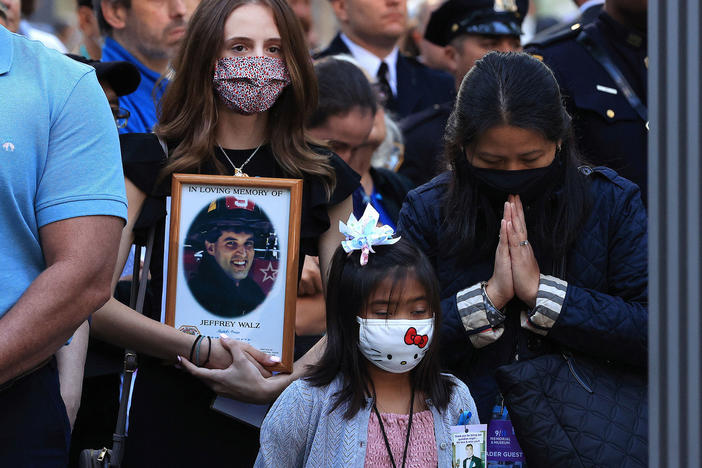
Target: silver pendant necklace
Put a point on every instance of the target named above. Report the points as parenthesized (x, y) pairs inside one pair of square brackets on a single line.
[(238, 171)]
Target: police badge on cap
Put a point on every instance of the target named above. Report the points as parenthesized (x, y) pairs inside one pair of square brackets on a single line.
[(483, 17)]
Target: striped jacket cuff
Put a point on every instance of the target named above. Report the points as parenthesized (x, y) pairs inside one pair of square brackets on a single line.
[(482, 321), (549, 302)]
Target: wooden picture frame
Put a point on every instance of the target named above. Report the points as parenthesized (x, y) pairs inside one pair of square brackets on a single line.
[(229, 240)]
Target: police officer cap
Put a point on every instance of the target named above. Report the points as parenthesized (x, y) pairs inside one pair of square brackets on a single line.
[(484, 17), (233, 213)]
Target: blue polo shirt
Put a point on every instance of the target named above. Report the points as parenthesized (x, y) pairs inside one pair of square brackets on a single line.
[(59, 155), (142, 103)]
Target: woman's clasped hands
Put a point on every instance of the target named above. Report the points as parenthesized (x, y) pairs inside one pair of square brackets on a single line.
[(516, 271), (246, 378)]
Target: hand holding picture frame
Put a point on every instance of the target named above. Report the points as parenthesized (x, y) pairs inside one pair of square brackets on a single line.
[(233, 260)]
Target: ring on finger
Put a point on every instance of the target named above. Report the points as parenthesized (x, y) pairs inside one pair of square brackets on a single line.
[(524, 242)]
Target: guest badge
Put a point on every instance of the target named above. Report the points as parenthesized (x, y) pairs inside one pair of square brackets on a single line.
[(469, 446)]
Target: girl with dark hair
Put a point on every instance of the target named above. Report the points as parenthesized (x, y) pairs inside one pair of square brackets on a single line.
[(243, 86), (535, 253), (377, 389)]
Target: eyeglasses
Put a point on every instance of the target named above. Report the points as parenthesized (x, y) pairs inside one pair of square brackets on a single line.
[(121, 116)]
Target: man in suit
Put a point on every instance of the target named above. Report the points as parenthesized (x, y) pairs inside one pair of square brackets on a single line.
[(471, 461), (467, 30), (370, 32), (602, 71)]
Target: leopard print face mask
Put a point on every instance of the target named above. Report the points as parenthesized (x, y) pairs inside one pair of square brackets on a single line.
[(250, 85)]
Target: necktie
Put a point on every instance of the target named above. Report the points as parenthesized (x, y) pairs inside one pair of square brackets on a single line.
[(384, 85)]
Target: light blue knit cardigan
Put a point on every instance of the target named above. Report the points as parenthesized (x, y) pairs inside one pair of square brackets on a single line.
[(299, 431)]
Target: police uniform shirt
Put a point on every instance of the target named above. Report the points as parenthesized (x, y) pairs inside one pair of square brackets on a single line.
[(628, 50), (608, 130)]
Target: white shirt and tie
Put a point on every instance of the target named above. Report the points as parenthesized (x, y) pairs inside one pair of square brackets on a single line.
[(371, 64)]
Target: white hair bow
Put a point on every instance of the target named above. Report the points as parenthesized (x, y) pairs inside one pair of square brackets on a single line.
[(364, 233)]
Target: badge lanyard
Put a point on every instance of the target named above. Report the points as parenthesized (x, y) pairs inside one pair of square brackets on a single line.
[(385, 437)]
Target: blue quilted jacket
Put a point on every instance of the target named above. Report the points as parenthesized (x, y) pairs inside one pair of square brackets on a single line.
[(605, 312)]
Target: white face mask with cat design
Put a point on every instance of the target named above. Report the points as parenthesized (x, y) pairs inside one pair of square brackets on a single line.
[(395, 346)]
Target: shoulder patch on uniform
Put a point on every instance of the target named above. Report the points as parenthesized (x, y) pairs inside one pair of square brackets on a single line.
[(538, 57), (556, 37)]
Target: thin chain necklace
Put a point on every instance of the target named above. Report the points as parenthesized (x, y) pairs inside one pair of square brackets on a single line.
[(238, 172)]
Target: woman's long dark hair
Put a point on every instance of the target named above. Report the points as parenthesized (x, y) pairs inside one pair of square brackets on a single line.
[(518, 90), (349, 288)]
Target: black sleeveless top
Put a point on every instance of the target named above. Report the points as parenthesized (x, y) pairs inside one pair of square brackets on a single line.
[(171, 423)]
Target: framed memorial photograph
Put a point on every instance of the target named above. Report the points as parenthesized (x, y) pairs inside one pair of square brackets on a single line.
[(233, 260)]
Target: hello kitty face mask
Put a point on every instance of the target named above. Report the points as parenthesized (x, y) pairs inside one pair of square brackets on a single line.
[(250, 85), (395, 346)]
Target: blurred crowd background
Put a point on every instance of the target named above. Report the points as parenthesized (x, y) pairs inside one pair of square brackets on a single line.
[(59, 17)]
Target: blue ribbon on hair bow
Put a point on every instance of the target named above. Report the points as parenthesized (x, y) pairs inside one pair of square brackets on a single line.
[(364, 233)]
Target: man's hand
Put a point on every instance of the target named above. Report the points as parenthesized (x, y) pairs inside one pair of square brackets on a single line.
[(311, 279), (220, 357)]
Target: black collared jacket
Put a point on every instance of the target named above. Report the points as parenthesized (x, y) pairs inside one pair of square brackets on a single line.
[(608, 129), (418, 86)]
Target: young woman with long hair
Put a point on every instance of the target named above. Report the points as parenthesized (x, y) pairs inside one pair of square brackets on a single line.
[(243, 86)]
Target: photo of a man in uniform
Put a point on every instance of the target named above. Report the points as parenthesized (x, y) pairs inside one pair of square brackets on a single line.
[(471, 461), (222, 282)]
